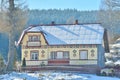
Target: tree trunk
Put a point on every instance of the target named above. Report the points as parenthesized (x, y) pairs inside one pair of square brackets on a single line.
[(14, 19), (11, 54), (11, 5)]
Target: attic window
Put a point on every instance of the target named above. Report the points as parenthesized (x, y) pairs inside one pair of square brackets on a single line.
[(34, 38)]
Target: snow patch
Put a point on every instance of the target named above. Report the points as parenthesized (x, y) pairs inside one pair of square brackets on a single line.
[(52, 75)]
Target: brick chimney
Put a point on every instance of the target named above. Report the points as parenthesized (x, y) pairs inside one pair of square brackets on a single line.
[(76, 21)]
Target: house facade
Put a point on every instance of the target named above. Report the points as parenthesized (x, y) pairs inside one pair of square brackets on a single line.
[(63, 44)]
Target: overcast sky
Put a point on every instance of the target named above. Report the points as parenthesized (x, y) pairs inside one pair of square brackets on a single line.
[(64, 4)]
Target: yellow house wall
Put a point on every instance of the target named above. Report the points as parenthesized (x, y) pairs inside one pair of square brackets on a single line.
[(77, 53), (73, 60), (40, 58), (40, 54), (26, 36)]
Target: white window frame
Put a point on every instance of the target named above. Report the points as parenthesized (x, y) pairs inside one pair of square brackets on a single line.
[(34, 38), (34, 55)]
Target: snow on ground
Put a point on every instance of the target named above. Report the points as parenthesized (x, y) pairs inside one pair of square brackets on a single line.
[(53, 75), (117, 62)]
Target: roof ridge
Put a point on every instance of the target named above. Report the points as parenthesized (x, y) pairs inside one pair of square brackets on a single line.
[(61, 24)]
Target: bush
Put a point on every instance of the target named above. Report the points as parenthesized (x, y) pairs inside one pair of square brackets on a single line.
[(2, 64), (98, 73), (42, 64), (24, 63), (103, 74)]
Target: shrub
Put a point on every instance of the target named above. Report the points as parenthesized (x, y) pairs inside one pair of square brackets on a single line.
[(2, 64), (24, 63), (103, 74), (42, 64), (98, 73)]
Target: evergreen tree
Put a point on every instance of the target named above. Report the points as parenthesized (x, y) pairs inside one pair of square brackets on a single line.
[(24, 63), (2, 65)]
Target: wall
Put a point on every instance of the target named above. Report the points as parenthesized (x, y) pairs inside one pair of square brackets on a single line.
[(101, 56), (74, 60), (25, 38)]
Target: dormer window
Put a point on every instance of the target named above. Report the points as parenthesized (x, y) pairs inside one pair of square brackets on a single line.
[(34, 38)]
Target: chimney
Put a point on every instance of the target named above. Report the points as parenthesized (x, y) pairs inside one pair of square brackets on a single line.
[(76, 21), (52, 23)]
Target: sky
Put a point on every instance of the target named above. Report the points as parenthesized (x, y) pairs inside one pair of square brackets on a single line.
[(64, 4)]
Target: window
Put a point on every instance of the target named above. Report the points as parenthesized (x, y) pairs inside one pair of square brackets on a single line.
[(66, 55), (34, 55), (84, 54), (34, 38), (53, 55), (60, 55)]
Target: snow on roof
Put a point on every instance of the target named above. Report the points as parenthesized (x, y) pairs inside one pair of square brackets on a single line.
[(70, 34)]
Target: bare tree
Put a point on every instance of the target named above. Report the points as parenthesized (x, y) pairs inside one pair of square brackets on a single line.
[(14, 18), (109, 15)]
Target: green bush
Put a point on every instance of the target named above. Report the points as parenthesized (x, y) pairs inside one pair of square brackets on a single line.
[(103, 74), (42, 64), (2, 64), (24, 63), (98, 73)]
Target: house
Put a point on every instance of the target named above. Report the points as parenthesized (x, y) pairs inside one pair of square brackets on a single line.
[(63, 44)]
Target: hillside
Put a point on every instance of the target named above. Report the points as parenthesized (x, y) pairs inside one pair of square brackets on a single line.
[(61, 16)]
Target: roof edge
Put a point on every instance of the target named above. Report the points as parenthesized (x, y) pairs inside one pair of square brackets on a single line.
[(34, 25)]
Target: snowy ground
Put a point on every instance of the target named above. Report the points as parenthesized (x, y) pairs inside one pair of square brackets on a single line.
[(52, 75)]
